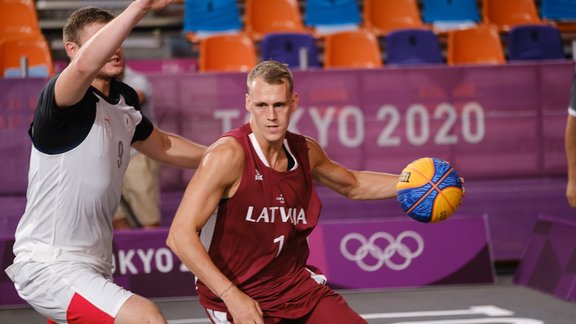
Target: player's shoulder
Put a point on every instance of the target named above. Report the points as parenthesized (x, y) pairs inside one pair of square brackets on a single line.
[(226, 149), (223, 160), (313, 145)]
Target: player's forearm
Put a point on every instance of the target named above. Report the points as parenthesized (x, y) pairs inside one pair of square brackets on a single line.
[(171, 149), (182, 152), (374, 185), (191, 252)]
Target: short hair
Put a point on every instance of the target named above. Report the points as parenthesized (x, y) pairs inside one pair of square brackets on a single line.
[(272, 72), (81, 18)]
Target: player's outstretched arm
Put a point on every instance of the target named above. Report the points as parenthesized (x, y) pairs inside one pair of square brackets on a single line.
[(171, 149), (89, 58), (570, 143), (217, 177), (361, 185)]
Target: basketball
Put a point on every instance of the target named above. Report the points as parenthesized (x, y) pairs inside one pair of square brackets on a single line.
[(429, 190)]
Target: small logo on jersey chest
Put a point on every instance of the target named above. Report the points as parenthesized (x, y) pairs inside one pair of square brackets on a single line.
[(258, 176), (280, 199)]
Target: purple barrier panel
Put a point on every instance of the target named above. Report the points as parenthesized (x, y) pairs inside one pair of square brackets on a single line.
[(376, 119), (197, 106), (11, 210), (401, 252), (169, 202), (143, 264), (554, 102), (459, 114), (146, 266), (18, 99), (383, 119), (15, 146), (513, 206), (8, 295), (549, 262)]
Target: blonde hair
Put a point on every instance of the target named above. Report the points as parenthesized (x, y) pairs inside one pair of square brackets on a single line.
[(272, 72)]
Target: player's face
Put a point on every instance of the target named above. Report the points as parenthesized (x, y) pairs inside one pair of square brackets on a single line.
[(270, 106), (115, 65)]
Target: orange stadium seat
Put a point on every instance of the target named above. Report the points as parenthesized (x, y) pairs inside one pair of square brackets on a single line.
[(34, 49), (352, 49), (18, 18), (227, 52), (383, 16), (478, 45), (272, 16), (509, 13)]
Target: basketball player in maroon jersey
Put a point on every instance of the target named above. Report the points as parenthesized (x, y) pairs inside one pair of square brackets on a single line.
[(250, 256)]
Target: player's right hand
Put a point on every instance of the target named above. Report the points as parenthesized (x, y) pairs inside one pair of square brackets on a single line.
[(244, 310)]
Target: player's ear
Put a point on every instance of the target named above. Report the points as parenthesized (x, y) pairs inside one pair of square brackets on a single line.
[(294, 102), (247, 102), (71, 49)]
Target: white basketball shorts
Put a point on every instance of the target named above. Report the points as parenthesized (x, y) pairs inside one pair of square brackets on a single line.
[(68, 292)]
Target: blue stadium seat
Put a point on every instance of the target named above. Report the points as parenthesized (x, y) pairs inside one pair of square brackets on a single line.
[(558, 10), (449, 14), (207, 17), (535, 42), (412, 46), (286, 47), (326, 16)]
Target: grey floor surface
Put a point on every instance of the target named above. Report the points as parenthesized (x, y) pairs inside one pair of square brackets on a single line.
[(499, 303)]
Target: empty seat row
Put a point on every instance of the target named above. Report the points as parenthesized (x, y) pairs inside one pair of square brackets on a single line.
[(378, 16), (362, 49)]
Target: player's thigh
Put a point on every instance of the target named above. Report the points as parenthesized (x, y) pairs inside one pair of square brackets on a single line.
[(333, 309), (69, 292)]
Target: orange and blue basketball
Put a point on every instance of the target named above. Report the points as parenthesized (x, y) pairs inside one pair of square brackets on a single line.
[(429, 190)]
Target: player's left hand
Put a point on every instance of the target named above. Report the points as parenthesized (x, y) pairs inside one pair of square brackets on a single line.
[(242, 308)]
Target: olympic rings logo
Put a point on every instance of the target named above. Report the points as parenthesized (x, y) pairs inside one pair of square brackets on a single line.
[(382, 255)]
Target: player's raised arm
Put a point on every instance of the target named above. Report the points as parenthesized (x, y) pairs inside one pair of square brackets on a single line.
[(360, 185), (91, 50)]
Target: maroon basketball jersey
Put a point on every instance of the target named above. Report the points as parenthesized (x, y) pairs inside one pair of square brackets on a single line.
[(258, 239)]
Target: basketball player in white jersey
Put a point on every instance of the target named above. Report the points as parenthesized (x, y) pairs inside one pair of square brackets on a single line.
[(570, 143), (250, 258), (85, 122)]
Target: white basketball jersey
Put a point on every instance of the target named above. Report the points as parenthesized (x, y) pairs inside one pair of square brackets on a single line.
[(72, 196)]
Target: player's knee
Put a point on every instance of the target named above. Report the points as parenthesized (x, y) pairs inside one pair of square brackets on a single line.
[(152, 313), (140, 310)]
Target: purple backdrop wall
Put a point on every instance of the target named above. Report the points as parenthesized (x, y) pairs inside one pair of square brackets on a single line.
[(501, 126)]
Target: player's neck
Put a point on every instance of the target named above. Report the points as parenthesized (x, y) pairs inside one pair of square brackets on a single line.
[(102, 85), (272, 152)]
